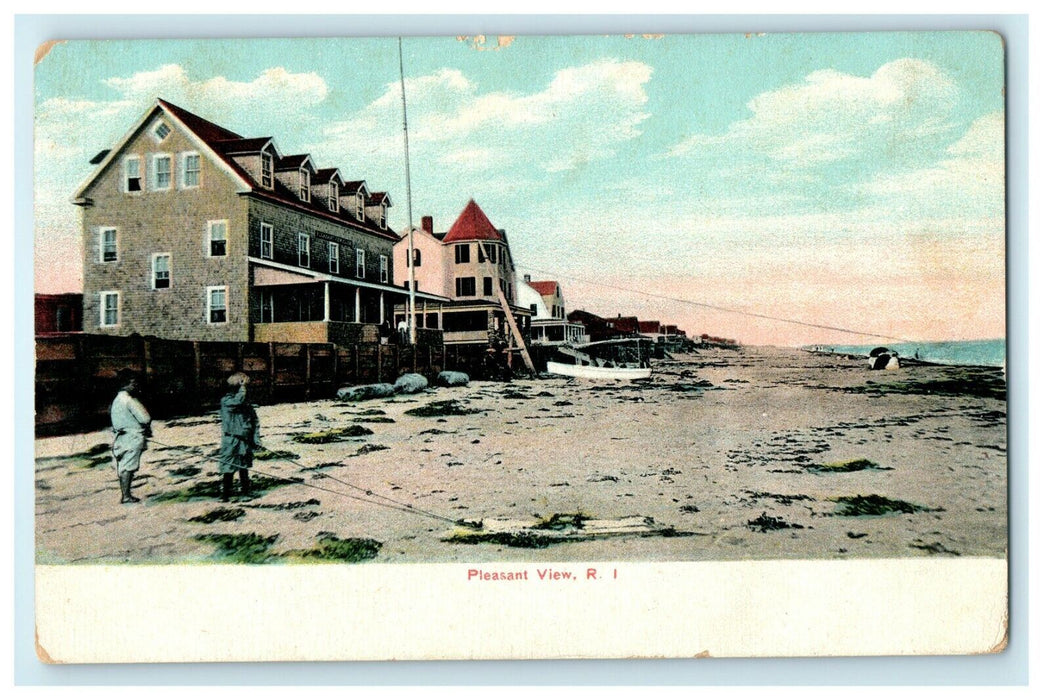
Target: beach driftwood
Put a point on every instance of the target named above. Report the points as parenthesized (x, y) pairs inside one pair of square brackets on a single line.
[(410, 383), (364, 392), (450, 378)]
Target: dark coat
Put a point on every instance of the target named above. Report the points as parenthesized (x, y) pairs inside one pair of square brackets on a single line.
[(240, 432)]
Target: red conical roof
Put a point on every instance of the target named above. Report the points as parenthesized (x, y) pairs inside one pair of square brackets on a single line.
[(472, 225)]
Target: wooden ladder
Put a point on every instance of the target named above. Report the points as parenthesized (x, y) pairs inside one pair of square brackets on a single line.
[(515, 332)]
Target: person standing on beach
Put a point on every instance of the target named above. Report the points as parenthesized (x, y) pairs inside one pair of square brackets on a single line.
[(131, 427), (240, 435)]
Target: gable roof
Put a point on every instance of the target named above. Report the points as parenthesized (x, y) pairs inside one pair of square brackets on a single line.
[(239, 145), (204, 129), (472, 225), (295, 162), (199, 130), (326, 175), (220, 144), (546, 288)]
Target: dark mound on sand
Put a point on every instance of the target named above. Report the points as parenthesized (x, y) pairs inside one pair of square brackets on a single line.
[(874, 504), (440, 408), (523, 539), (247, 548), (224, 515), (853, 465), (332, 548), (766, 523), (324, 437)]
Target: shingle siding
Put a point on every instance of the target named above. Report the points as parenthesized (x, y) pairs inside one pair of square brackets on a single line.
[(172, 221), (288, 224)]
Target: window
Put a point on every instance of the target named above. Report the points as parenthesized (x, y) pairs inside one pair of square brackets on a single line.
[(360, 213), (109, 309), (267, 170), (532, 309), (360, 263), (191, 170), (465, 287), (463, 253), (415, 254), (486, 284), (490, 252), (333, 196), (333, 257), (304, 184), (161, 270), (383, 275), (382, 216), (161, 131), (132, 174), (107, 245), (216, 304), (266, 241), (162, 172), (304, 250), (217, 239)]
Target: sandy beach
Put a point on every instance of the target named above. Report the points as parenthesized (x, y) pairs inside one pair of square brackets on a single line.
[(761, 453)]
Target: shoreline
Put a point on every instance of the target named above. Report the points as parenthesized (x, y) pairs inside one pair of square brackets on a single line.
[(743, 450)]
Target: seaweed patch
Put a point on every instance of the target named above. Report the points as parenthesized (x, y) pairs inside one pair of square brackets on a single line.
[(224, 515), (853, 506), (324, 437), (853, 465), (440, 408), (246, 548)]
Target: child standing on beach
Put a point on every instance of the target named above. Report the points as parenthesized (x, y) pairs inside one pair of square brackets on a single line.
[(240, 435)]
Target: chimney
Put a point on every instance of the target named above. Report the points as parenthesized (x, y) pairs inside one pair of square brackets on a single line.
[(428, 224), (528, 278)]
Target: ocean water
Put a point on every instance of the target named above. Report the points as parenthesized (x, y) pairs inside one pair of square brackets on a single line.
[(982, 353)]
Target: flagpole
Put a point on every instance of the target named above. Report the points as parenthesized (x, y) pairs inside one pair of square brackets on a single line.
[(408, 191)]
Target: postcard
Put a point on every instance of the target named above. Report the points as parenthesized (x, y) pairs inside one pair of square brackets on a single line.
[(520, 347)]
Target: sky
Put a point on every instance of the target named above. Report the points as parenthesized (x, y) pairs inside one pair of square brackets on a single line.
[(848, 181)]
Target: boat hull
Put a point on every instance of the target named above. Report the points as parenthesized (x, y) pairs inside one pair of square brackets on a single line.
[(591, 372)]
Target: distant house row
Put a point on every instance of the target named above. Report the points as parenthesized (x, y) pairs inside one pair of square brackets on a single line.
[(192, 231)]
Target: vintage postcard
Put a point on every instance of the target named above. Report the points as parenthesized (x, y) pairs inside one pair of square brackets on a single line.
[(497, 347)]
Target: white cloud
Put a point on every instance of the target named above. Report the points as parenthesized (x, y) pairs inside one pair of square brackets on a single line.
[(971, 178), (274, 87), (62, 153), (579, 117), (832, 116)]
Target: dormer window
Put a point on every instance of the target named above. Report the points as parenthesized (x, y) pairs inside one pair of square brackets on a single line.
[(360, 213), (333, 196), (161, 131), (382, 217), (304, 184), (267, 170)]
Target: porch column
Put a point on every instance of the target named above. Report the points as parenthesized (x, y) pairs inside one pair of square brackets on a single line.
[(382, 307), (327, 304), (357, 305), (441, 317), (424, 313)]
